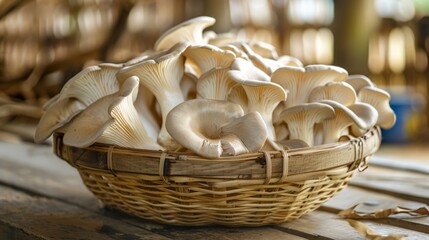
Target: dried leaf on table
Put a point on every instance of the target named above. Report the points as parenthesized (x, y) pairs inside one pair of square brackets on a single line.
[(351, 213), (371, 234)]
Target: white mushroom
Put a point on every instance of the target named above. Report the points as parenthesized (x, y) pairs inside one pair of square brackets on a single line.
[(286, 60), (220, 39), (79, 92), (213, 128), (301, 81), (301, 120), (379, 99), (57, 115), (264, 49), (161, 74), (214, 84), (358, 82), (238, 53), (243, 135), (92, 84), (262, 97), (207, 57), (111, 120), (188, 31), (244, 69), (363, 115), (340, 92)]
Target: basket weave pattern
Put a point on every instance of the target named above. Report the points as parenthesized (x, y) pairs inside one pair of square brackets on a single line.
[(188, 197)]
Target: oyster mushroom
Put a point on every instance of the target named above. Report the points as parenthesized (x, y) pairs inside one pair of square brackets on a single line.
[(161, 74), (78, 93), (92, 84), (340, 92), (56, 116), (246, 70), (262, 97), (112, 120), (286, 60), (301, 120), (207, 57), (264, 49), (214, 84), (188, 31), (213, 128), (363, 115), (358, 82), (379, 99)]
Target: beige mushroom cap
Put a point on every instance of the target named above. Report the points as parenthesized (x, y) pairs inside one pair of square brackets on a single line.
[(242, 69), (207, 127), (379, 99), (340, 92), (57, 115), (207, 57), (301, 81), (363, 115), (161, 74), (111, 120), (262, 97), (302, 118), (286, 60), (188, 31), (358, 82), (92, 84), (215, 84)]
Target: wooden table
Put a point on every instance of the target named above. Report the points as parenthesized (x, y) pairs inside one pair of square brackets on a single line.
[(42, 197)]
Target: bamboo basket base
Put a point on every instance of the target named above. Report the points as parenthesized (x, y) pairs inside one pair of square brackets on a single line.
[(196, 204), (247, 190)]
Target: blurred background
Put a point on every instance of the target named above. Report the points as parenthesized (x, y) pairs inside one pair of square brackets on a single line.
[(44, 43)]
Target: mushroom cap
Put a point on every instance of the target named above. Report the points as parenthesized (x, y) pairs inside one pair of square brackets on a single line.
[(302, 118), (207, 57), (263, 97), (238, 52), (220, 39), (243, 70), (112, 120), (301, 81), (264, 49), (215, 84), (340, 92), (379, 99), (200, 124), (250, 130), (57, 115), (188, 31), (91, 84), (161, 74), (361, 115), (358, 82), (286, 60)]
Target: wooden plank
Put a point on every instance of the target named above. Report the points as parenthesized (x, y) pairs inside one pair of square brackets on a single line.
[(371, 201), (400, 164), (36, 169), (50, 219), (406, 185), (325, 225)]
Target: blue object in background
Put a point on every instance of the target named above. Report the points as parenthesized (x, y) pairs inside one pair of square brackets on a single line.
[(409, 110)]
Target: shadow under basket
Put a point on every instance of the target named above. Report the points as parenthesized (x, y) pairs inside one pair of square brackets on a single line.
[(247, 190)]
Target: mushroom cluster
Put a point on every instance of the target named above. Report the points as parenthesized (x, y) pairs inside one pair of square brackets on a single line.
[(213, 95)]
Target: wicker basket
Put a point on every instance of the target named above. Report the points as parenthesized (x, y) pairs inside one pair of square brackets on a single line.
[(246, 190)]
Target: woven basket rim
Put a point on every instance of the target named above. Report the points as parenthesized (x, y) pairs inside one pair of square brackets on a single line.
[(261, 165)]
